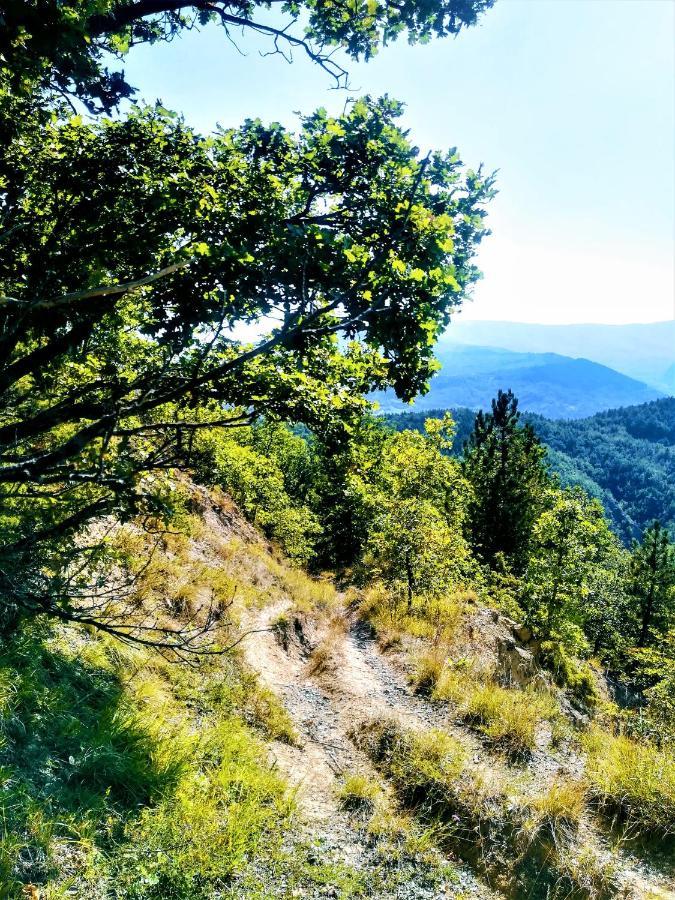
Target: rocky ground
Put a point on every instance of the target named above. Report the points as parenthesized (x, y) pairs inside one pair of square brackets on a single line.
[(324, 707), (354, 681)]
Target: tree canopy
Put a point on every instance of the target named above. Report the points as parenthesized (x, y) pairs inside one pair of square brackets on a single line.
[(504, 464), (65, 46), (133, 251)]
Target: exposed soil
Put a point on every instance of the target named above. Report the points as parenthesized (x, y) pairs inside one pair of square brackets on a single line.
[(323, 708), (354, 682)]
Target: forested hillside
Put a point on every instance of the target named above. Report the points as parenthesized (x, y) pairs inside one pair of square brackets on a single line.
[(624, 457)]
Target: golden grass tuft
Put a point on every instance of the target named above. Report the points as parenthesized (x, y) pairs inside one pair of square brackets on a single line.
[(634, 781), (561, 807), (427, 670), (360, 793), (509, 717)]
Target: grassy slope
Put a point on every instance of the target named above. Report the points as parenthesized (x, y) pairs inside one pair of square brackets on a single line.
[(127, 776), (558, 801), (124, 775)]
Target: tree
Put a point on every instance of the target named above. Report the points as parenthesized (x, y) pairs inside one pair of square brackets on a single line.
[(569, 550), (504, 464), (266, 470), (142, 245), (132, 248), (652, 584), (63, 46), (413, 551), (415, 542)]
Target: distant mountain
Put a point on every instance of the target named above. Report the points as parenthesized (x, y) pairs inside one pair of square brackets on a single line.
[(624, 457), (645, 352), (545, 383)]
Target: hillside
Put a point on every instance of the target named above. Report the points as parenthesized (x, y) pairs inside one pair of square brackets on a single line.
[(624, 457), (645, 352), (254, 643), (545, 383), (336, 752)]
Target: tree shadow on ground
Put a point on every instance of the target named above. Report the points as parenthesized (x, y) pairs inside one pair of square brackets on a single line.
[(75, 758)]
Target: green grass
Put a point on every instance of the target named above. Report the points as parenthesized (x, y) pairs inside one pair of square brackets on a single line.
[(360, 793), (524, 845), (124, 774), (633, 781), (508, 717)]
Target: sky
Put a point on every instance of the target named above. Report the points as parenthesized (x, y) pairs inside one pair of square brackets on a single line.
[(572, 101)]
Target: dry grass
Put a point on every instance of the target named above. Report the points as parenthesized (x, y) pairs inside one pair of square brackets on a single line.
[(326, 656), (633, 781), (525, 847), (508, 717), (561, 807), (435, 621), (427, 670), (309, 594)]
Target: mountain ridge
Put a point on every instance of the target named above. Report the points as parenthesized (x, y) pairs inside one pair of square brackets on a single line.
[(550, 384), (644, 351)]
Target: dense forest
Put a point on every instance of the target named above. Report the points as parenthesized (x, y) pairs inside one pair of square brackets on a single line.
[(224, 578), (623, 457)]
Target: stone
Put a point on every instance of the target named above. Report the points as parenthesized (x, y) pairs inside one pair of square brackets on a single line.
[(523, 633)]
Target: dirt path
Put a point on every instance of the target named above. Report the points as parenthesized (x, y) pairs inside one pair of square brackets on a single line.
[(325, 707), (323, 710)]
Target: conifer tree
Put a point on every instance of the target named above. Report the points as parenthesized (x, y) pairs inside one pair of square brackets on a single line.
[(504, 464), (652, 583)]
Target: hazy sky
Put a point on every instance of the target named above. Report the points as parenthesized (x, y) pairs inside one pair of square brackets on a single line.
[(572, 100)]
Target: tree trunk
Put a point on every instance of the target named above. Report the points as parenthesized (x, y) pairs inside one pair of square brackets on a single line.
[(411, 580)]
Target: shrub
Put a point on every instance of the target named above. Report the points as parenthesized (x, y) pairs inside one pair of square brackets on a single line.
[(634, 781)]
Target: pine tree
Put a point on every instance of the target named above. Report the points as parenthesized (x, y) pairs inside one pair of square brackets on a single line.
[(504, 464), (652, 583)]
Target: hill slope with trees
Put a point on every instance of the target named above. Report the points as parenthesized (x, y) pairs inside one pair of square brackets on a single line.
[(547, 384), (220, 574), (623, 457)]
